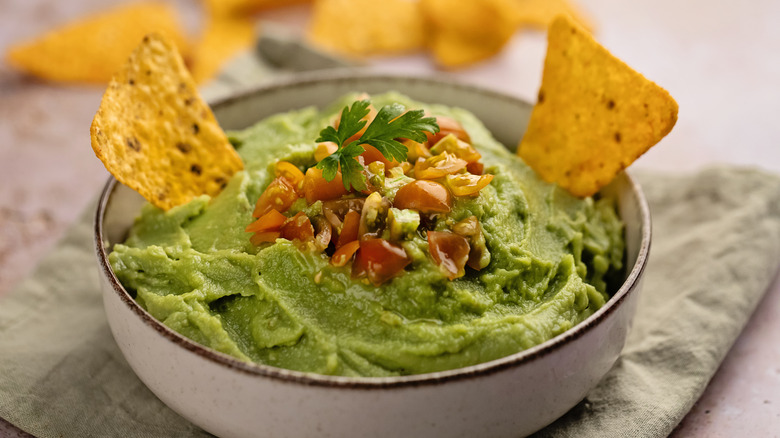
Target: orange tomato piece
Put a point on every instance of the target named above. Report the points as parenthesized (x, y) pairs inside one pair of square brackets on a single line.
[(379, 260), (372, 154), (475, 168), (324, 149), (450, 252), (466, 184), (298, 227), (291, 173), (264, 237), (349, 231), (438, 166), (345, 253), (270, 221), (424, 196), (316, 188), (279, 196), (448, 126)]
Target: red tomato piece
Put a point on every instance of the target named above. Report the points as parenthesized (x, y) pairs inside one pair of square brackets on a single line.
[(379, 260), (450, 251), (317, 188), (345, 253), (448, 126), (279, 196), (270, 221), (475, 168), (298, 227), (349, 231), (424, 196)]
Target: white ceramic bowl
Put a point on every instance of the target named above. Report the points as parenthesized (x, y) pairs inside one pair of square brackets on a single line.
[(512, 396)]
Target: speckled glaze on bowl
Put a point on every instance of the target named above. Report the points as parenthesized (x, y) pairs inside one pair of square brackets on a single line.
[(512, 396)]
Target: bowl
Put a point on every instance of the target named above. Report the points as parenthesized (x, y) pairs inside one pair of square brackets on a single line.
[(512, 396)]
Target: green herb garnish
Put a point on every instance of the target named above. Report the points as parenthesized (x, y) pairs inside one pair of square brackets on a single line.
[(389, 124)]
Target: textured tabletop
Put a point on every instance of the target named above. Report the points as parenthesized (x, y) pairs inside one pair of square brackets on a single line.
[(718, 59)]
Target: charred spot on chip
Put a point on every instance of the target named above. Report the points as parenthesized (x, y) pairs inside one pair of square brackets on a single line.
[(195, 128), (196, 169), (188, 101), (617, 137), (133, 144), (148, 72), (131, 82), (540, 98), (220, 181), (146, 39), (183, 147), (611, 104)]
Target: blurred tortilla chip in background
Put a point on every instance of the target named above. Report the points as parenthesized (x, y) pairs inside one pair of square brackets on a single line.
[(94, 48), (155, 133), (594, 115), (367, 27), (223, 38), (245, 7), (470, 30)]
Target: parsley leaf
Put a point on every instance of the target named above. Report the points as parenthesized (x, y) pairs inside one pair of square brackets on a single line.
[(390, 124)]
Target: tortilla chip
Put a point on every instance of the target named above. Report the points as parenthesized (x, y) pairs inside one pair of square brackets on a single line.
[(223, 38), (367, 27), (156, 135), (541, 13), (243, 7), (472, 31), (93, 49), (595, 115)]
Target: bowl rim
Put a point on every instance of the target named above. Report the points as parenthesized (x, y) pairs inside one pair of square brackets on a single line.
[(439, 377)]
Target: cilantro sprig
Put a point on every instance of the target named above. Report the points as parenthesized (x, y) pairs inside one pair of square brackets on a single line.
[(390, 124)]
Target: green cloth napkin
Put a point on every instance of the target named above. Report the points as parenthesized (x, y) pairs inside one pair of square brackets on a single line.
[(716, 248)]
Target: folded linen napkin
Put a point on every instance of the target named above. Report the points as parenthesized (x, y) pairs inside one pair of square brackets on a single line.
[(716, 248)]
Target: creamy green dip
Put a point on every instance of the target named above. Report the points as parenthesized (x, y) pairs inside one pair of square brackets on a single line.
[(194, 269)]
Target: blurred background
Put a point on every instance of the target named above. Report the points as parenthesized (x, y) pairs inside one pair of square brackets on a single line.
[(718, 59)]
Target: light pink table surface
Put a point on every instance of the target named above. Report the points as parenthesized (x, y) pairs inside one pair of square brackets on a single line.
[(721, 61)]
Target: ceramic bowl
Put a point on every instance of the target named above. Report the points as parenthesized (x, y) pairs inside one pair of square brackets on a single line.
[(512, 396)]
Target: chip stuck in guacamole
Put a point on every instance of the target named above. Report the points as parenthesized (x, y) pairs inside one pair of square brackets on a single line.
[(281, 303)]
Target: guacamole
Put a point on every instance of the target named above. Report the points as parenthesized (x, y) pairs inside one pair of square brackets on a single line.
[(553, 259)]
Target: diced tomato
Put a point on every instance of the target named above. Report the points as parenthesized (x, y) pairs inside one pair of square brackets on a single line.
[(466, 184), (372, 154), (324, 233), (438, 166), (349, 231), (316, 188), (324, 149), (448, 126), (379, 260), (290, 173), (450, 251), (345, 253), (475, 168), (265, 237), (424, 196), (270, 221), (298, 227), (279, 196), (471, 230)]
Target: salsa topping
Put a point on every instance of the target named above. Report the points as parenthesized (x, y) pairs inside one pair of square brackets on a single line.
[(382, 178)]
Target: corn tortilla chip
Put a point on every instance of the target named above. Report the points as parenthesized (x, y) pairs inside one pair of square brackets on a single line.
[(470, 31), (156, 135), (223, 38), (540, 13), (367, 27), (594, 116), (93, 49)]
